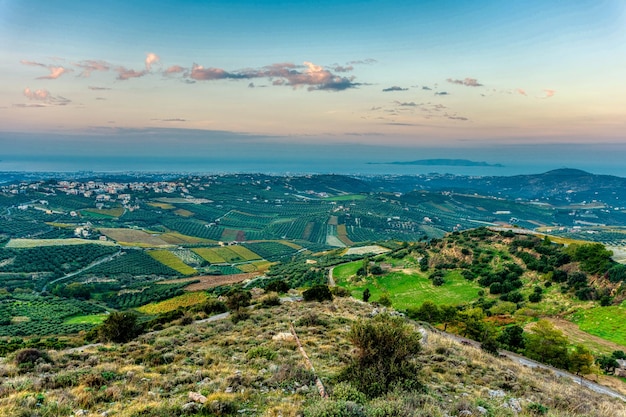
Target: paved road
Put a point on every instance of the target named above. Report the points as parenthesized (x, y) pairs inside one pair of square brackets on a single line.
[(91, 265), (601, 389)]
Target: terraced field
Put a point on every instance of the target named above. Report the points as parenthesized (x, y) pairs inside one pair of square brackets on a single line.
[(170, 260)]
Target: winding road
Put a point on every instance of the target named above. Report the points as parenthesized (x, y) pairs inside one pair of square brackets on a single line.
[(91, 265)]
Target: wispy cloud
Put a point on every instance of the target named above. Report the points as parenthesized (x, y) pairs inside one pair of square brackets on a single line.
[(174, 69), (96, 88), (173, 119), (55, 71), (426, 88), (44, 97), (394, 88), (33, 63), (468, 82), (548, 93), (406, 104), (91, 65), (126, 74), (368, 61), (199, 73), (340, 68), (442, 93), (521, 91)]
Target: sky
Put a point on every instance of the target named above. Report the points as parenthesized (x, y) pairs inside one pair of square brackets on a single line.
[(326, 81)]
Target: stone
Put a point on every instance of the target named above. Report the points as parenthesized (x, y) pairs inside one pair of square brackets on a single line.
[(197, 397)]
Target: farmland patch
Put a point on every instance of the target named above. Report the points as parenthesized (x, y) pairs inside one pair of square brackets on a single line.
[(212, 281), (132, 237), (170, 260), (34, 243), (184, 300)]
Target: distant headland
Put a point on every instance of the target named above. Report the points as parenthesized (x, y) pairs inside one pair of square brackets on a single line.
[(441, 162)]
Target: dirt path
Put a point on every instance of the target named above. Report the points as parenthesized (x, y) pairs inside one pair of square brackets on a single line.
[(575, 335)]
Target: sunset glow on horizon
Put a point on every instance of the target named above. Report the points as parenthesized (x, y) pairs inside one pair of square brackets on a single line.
[(406, 74)]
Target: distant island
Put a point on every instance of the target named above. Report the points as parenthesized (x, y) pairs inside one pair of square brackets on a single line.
[(441, 162)]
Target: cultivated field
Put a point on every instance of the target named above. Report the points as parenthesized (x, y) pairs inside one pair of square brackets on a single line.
[(184, 300), (167, 258), (132, 237), (212, 281), (34, 243)]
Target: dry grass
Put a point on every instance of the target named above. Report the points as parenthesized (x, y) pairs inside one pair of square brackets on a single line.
[(133, 237), (211, 281), (244, 369), (176, 238), (34, 243)]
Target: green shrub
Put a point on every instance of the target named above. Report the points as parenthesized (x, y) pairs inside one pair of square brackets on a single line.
[(537, 409), (270, 300), (311, 319), (119, 327), (28, 357), (317, 293), (385, 300), (213, 306), (332, 408), (278, 286), (340, 291), (386, 346), (237, 299), (240, 315), (346, 392), (261, 352)]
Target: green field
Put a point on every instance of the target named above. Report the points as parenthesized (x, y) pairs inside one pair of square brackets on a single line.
[(245, 253), (111, 212), (609, 323), (210, 255), (184, 300), (407, 290), (34, 243), (94, 319), (167, 258), (351, 197)]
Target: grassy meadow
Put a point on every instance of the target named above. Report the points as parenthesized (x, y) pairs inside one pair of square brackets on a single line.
[(407, 289)]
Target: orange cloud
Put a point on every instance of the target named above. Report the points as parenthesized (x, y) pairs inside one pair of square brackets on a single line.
[(151, 58), (126, 74), (44, 96), (91, 65), (174, 69), (55, 71)]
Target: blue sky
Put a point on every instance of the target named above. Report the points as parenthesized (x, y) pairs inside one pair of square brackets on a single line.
[(408, 75)]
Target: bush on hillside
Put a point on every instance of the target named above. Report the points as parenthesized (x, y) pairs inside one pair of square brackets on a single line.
[(119, 327), (385, 348), (317, 293)]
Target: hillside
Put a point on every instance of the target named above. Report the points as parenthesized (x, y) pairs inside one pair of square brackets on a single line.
[(254, 367)]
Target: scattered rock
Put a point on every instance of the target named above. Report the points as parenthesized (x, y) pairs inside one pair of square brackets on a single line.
[(191, 407), (496, 393), (283, 336), (514, 405), (197, 397)]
